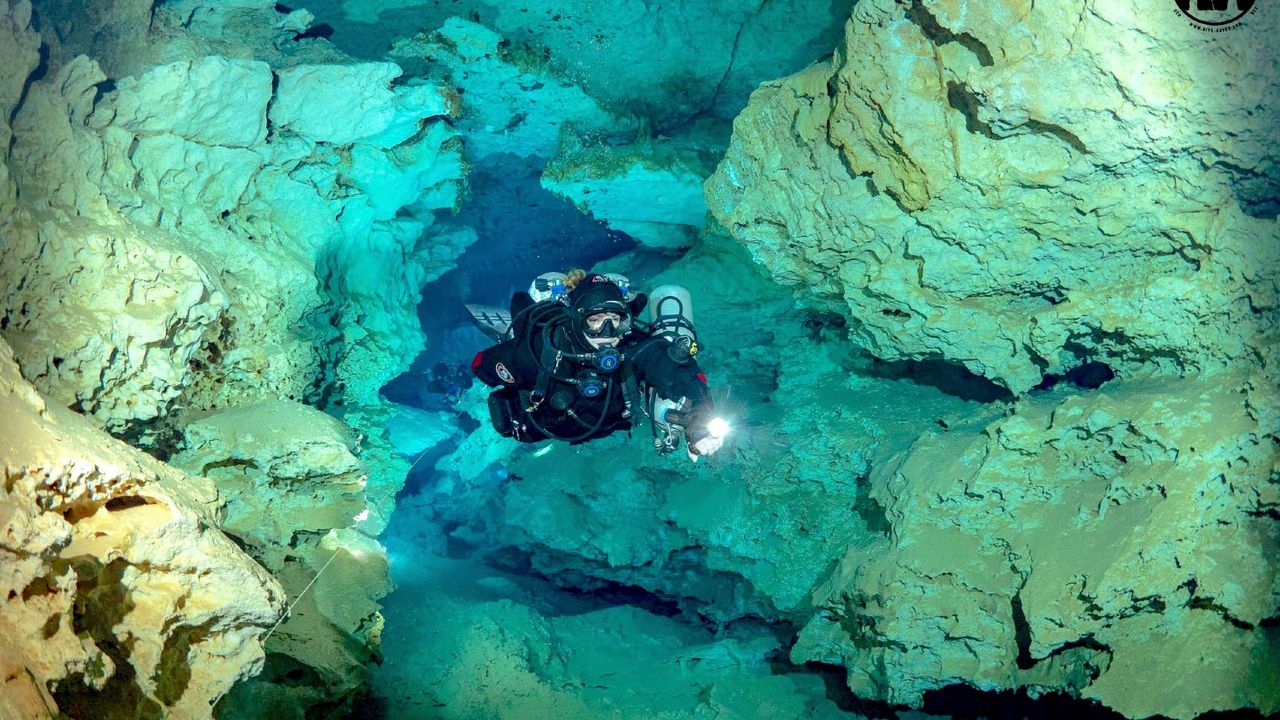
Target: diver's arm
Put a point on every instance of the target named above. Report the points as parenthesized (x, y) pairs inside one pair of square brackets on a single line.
[(672, 380)]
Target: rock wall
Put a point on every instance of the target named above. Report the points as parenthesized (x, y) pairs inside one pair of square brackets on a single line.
[(1119, 545), (1023, 190), (215, 205), (203, 210), (1028, 192), (121, 596)]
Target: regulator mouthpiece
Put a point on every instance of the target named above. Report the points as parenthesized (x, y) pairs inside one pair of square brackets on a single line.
[(589, 384), (607, 359)]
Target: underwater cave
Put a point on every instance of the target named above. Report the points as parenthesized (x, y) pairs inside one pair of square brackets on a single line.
[(576, 359)]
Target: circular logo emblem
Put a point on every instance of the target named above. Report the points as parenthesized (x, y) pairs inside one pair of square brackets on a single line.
[(504, 373), (1215, 14)]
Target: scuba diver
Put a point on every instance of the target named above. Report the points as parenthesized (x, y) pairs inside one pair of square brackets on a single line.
[(449, 381), (574, 362)]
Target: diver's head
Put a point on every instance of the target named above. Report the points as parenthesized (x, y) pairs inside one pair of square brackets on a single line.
[(604, 328), (601, 315)]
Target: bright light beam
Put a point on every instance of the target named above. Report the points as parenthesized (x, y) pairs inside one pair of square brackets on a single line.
[(718, 427)]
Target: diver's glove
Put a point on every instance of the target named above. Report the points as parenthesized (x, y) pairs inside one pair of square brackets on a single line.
[(704, 435), (706, 446)]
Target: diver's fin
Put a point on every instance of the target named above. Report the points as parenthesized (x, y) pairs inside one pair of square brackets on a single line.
[(492, 321)]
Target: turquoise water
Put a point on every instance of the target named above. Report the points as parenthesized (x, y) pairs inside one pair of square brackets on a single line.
[(985, 294)]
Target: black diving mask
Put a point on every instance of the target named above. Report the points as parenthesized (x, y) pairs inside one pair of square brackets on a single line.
[(611, 324)]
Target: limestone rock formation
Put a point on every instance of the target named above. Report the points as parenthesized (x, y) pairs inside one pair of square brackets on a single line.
[(294, 494), (513, 101), (1014, 190), (1117, 545), (129, 37), (210, 215), (669, 60), (1022, 190), (121, 596), (132, 310), (189, 226), (651, 189), (243, 208), (188, 148), (19, 56)]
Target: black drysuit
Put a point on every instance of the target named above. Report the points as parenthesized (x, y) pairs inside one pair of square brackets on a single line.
[(563, 412)]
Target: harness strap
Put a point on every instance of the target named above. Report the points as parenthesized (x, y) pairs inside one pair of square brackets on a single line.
[(543, 383)]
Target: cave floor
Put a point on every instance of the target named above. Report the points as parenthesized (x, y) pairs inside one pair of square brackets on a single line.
[(465, 640)]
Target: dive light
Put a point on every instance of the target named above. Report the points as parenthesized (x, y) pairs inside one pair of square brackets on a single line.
[(718, 427)]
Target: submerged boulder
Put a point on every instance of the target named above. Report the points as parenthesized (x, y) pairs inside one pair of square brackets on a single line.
[(121, 594), (1082, 542), (295, 496)]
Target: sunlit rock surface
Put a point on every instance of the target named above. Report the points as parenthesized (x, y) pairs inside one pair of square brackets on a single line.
[(1021, 189), (203, 210), (294, 489), (121, 596)]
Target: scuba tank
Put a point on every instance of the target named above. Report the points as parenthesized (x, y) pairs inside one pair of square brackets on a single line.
[(549, 286), (671, 318)]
